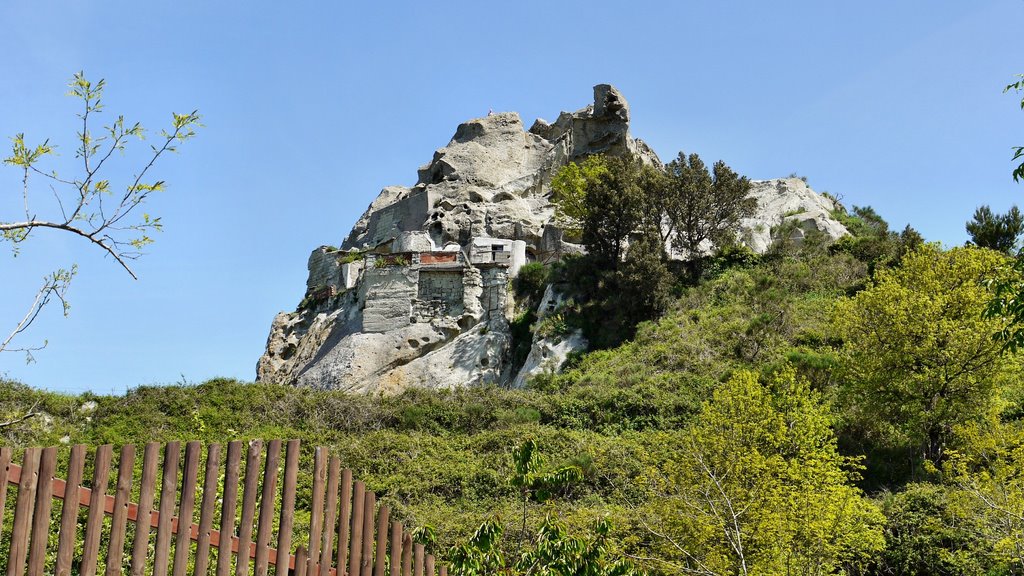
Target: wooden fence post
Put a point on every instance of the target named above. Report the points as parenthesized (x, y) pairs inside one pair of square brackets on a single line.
[(186, 505), (168, 491), (383, 515), (69, 511), (252, 470), (119, 521), (267, 502), (343, 519), (284, 532), (206, 510), (228, 505), (316, 515), (5, 468), (41, 516), (326, 547), (97, 501), (364, 542)]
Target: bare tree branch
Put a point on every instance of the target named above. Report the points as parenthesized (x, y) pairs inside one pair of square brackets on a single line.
[(30, 414), (80, 200)]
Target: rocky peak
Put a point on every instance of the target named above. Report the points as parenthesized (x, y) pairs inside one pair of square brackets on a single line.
[(418, 295)]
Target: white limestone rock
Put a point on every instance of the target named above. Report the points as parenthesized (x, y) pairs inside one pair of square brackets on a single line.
[(788, 200), (424, 315), (547, 355)]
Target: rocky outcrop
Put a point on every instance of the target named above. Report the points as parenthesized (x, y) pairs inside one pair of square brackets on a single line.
[(788, 200), (418, 293)]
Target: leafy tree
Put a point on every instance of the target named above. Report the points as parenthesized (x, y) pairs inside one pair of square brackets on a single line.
[(989, 468), (999, 232), (871, 241), (88, 205), (553, 553), (570, 185), (1018, 151), (927, 531), (604, 199), (532, 481), (1008, 301), (705, 206), (645, 277), (918, 356), (757, 486)]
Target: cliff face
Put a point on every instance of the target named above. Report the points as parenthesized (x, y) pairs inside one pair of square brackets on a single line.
[(418, 295)]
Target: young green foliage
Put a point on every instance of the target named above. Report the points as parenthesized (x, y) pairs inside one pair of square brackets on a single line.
[(989, 468), (757, 486), (1018, 151), (919, 358), (88, 205)]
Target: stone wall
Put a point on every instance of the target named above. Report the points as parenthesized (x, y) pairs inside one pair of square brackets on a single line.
[(407, 214), (494, 298), (323, 269), (388, 292), (440, 293)]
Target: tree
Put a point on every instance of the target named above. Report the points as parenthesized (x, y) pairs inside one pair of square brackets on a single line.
[(1000, 232), (532, 481), (918, 358), (757, 486), (603, 199), (702, 206), (1008, 299), (989, 468), (1018, 151), (928, 530), (553, 553), (88, 205)]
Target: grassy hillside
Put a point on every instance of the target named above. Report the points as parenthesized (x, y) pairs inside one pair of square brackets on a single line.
[(756, 359)]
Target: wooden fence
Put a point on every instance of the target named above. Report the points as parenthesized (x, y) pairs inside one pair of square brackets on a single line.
[(349, 534)]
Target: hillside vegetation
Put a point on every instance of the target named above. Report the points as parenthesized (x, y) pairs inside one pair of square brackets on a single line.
[(822, 408)]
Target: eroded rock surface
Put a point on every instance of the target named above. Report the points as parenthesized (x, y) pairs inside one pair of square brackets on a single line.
[(418, 294)]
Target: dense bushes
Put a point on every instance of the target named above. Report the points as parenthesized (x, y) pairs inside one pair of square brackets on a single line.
[(784, 370)]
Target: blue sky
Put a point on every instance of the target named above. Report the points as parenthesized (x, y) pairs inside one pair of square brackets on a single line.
[(311, 108)]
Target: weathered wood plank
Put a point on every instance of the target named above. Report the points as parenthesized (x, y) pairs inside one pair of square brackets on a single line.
[(356, 540), (287, 521), (381, 556), (396, 549), (261, 562), (369, 507), (207, 508), (316, 519), (186, 506), (229, 502), (69, 511), (143, 519), (168, 493), (300, 561), (119, 519), (97, 505), (23, 510), (343, 519), (407, 554), (5, 467), (417, 559), (430, 565), (252, 471), (41, 516), (326, 546)]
